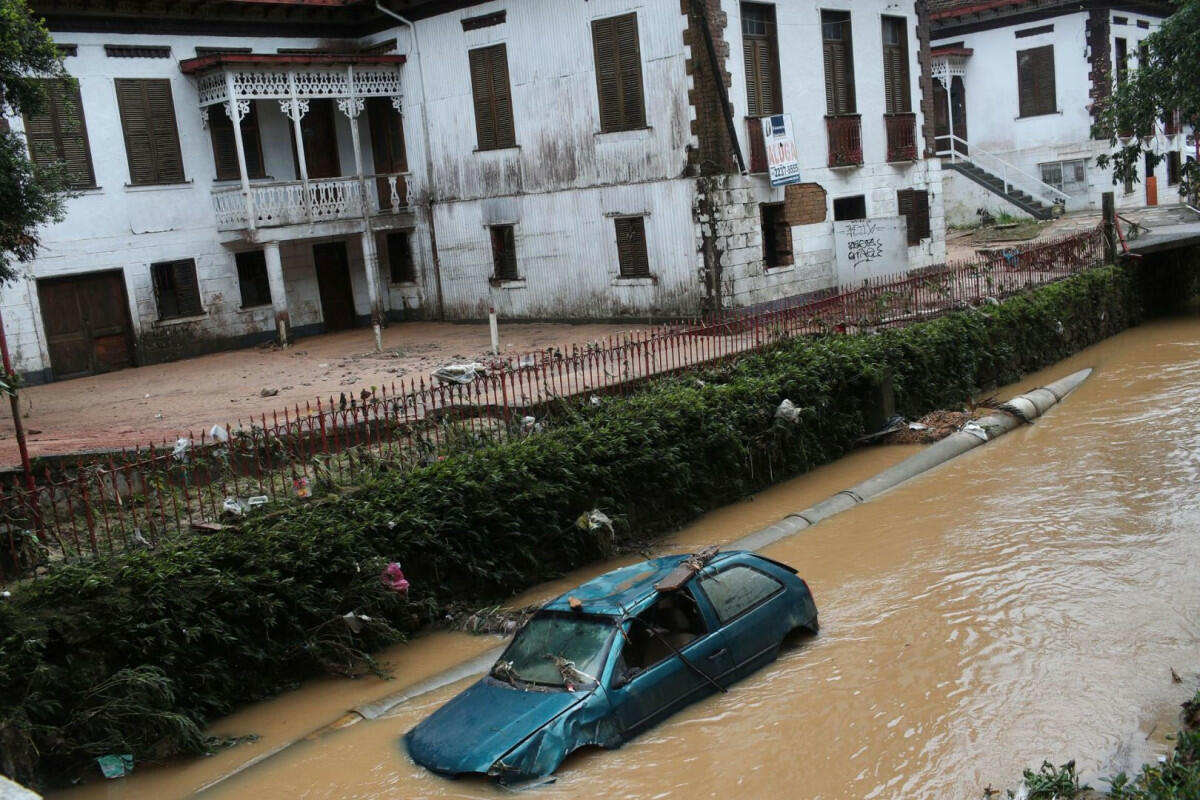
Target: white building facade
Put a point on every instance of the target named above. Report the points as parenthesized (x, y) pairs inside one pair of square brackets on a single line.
[(264, 171), (1027, 80)]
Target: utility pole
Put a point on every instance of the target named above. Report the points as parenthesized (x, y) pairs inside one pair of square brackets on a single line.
[(16, 409)]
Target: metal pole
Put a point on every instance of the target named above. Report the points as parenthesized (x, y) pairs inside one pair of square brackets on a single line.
[(18, 426)]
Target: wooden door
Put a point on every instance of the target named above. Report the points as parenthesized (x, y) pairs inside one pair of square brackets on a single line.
[(320, 141), (1151, 183), (387, 147), (86, 318), (333, 284), (941, 116)]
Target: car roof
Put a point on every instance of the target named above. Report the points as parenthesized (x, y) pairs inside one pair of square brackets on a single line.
[(624, 590)]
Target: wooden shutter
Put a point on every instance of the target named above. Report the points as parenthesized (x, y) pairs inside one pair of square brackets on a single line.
[(915, 206), (224, 145), (762, 70), (618, 73), (1035, 81), (58, 134), (176, 290), (492, 97), (896, 84), (631, 247), (839, 63), (504, 253), (151, 136)]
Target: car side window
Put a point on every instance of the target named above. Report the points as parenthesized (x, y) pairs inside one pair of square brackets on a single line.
[(737, 589), (658, 632)]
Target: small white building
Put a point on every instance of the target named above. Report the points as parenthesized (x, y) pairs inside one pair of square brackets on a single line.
[(1025, 81), (550, 159)]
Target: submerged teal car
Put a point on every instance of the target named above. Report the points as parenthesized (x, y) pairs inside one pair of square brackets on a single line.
[(605, 661)]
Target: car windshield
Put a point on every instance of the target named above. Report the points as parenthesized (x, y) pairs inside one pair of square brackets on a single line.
[(557, 650)]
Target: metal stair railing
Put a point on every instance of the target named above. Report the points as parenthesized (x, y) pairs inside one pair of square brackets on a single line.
[(1012, 175)]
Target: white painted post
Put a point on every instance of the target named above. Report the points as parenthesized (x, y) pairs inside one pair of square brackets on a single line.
[(495, 331), (278, 292), (296, 111), (233, 108), (371, 265), (950, 116), (352, 106)]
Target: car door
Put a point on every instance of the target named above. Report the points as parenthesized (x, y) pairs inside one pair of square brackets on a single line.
[(754, 611), (659, 672)]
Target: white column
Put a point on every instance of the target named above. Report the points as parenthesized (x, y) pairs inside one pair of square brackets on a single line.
[(236, 110), (950, 116), (296, 109), (374, 291), (278, 293)]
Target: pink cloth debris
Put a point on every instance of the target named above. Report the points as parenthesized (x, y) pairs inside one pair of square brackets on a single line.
[(393, 578)]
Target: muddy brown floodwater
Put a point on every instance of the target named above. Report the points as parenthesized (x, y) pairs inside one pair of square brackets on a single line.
[(1024, 601)]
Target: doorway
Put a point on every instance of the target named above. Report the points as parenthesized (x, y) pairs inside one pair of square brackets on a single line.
[(1151, 182), (941, 116), (333, 284), (87, 323), (319, 133)]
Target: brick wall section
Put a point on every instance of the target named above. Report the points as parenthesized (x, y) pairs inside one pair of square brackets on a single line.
[(804, 204), (1099, 38), (713, 152), (921, 7)]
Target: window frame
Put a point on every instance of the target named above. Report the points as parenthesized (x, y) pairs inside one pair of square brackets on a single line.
[(1033, 96), (845, 91), (627, 270), (492, 102), (410, 266), (58, 96), (767, 42), (622, 113), (505, 268), (161, 135), (183, 310), (913, 205), (709, 576), (240, 260), (891, 81), (218, 117)]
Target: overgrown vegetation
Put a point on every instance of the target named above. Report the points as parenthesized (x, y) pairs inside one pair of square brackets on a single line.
[(136, 653)]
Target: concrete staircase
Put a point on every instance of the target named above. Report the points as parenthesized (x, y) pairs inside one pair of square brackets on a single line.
[(993, 183)]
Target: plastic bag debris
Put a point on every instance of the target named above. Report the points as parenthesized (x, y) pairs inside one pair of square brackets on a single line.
[(530, 425), (218, 434), (180, 453), (355, 621), (393, 578), (302, 488), (526, 361), (116, 766), (460, 373), (976, 430), (241, 505), (918, 426), (787, 411), (594, 520)]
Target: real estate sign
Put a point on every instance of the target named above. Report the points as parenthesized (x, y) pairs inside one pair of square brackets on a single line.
[(783, 162), (870, 248)]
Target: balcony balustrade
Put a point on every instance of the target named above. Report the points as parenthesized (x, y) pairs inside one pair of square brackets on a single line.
[(288, 203), (845, 140), (901, 136)]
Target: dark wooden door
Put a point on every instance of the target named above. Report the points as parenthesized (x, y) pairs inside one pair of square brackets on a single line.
[(86, 318), (941, 112), (320, 141), (387, 147), (333, 283)]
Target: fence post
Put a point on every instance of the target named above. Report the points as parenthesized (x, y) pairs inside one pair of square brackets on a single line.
[(1110, 227)]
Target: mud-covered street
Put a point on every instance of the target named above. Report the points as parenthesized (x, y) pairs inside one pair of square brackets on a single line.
[(1025, 601)]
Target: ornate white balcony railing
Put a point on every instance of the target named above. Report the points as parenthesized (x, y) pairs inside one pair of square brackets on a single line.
[(287, 203)]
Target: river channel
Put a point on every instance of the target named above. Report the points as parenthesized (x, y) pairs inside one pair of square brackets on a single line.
[(1027, 600)]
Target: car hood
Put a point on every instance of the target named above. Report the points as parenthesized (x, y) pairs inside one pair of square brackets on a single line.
[(477, 727)]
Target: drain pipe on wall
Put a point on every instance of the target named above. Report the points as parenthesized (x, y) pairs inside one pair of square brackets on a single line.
[(1021, 409), (433, 248)]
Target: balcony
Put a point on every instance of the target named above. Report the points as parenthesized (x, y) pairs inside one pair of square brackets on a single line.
[(845, 140), (276, 204), (1172, 125), (901, 137), (758, 147)]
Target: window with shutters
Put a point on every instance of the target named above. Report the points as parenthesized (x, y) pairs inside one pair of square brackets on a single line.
[(1174, 168), (839, 63), (760, 53), (58, 134), (618, 73), (1122, 54), (504, 253), (1035, 81), (914, 205), (493, 99), (252, 278), (220, 127), (176, 292), (400, 258), (631, 247), (151, 137), (896, 84)]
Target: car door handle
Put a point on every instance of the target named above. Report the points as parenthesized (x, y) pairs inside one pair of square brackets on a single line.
[(718, 654)]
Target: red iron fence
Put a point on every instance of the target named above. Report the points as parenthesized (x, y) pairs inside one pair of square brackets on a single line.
[(143, 496)]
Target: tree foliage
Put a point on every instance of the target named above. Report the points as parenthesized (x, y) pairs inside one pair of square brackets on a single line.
[(30, 194), (1165, 83)]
